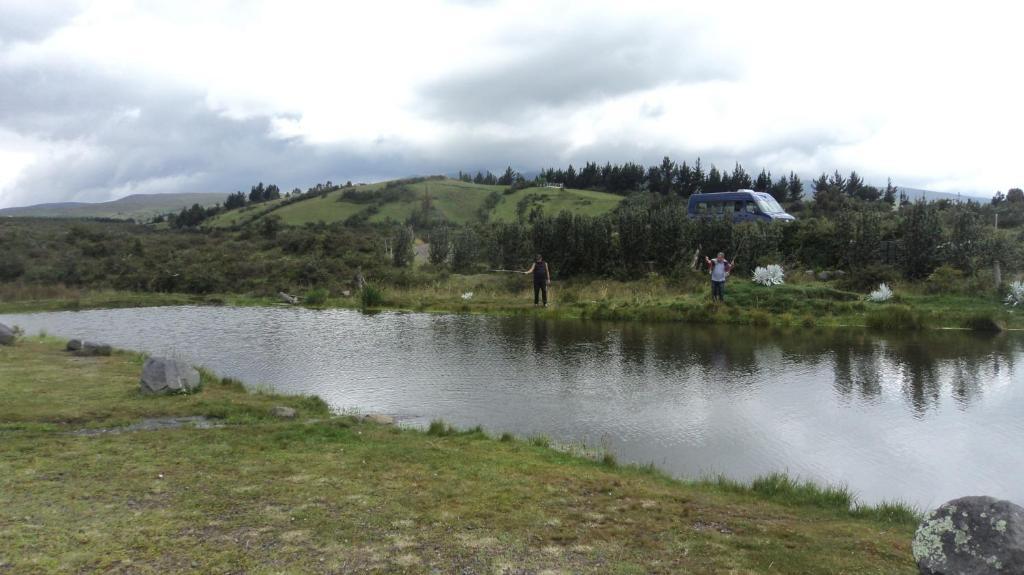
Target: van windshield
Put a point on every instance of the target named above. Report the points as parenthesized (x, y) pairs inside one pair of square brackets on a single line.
[(769, 206)]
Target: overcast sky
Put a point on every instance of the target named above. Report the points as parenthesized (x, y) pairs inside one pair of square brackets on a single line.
[(103, 99)]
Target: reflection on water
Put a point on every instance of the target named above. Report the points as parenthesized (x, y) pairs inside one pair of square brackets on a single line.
[(920, 417)]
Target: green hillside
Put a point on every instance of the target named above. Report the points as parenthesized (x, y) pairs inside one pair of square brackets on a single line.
[(554, 200), (452, 200), (136, 206)]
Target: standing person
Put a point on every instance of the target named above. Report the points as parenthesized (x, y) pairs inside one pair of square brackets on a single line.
[(719, 268), (541, 279)]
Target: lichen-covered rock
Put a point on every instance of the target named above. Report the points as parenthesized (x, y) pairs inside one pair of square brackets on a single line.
[(163, 375), (74, 344), (380, 419), (976, 535), (91, 348), (7, 335), (284, 412)]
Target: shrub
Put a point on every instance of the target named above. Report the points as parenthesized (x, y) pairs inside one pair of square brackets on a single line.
[(371, 296), (316, 296), (1015, 296), (945, 279), (771, 275), (868, 277), (882, 294)]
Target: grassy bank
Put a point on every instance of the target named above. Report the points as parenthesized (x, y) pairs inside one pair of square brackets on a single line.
[(336, 494), (800, 305)]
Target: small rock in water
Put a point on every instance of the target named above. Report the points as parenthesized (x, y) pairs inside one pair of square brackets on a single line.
[(74, 344), (164, 375), (283, 412), (977, 535), (7, 336), (380, 419)]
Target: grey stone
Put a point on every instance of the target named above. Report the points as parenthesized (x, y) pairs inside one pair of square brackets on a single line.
[(91, 348), (7, 336), (283, 412), (977, 535), (839, 273), (74, 344), (380, 419), (287, 298), (824, 276), (163, 375)]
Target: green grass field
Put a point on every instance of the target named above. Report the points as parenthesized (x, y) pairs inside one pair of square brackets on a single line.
[(453, 200), (241, 216), (553, 201), (323, 494)]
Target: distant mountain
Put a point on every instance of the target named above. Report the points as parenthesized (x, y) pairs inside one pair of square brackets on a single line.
[(136, 206), (930, 196)]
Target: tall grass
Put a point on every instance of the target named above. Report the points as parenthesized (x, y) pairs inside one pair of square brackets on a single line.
[(781, 488), (371, 296), (895, 317)]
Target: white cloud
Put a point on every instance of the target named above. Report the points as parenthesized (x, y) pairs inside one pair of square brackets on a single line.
[(924, 92)]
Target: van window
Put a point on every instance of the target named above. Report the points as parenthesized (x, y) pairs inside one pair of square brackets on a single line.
[(702, 208)]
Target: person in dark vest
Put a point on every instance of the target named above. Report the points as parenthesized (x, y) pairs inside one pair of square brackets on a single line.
[(719, 268), (541, 279)]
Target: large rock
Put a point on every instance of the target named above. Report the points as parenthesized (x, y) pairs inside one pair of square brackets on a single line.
[(74, 344), (7, 336), (976, 535), (91, 348), (163, 375), (284, 412)]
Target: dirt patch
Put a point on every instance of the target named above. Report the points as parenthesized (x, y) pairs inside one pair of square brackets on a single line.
[(155, 424)]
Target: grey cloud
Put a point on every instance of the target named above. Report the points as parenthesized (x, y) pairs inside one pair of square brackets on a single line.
[(126, 135), (30, 21), (572, 68)]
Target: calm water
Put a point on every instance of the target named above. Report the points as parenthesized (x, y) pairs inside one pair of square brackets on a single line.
[(923, 418)]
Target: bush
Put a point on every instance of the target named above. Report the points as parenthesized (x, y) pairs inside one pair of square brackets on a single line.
[(316, 296), (867, 278), (945, 279)]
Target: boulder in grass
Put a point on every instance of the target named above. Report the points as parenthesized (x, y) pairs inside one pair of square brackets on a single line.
[(977, 535), (162, 375), (74, 345), (283, 412), (91, 349), (7, 335)]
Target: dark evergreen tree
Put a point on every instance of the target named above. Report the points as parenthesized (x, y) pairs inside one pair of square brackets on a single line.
[(235, 200), (796, 188), (763, 183), (921, 231), (740, 180), (890, 193)]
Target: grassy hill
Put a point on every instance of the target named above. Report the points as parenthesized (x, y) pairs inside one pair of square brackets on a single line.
[(452, 200), (136, 206)]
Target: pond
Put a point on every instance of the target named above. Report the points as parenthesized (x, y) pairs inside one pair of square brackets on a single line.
[(922, 417)]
